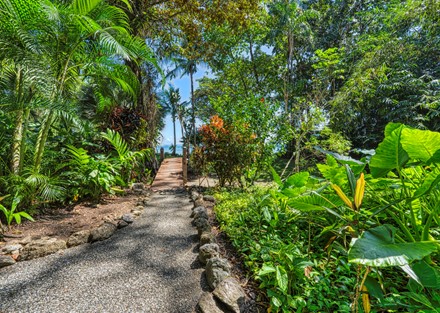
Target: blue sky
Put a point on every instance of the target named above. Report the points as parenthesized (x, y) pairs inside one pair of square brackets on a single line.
[(184, 86)]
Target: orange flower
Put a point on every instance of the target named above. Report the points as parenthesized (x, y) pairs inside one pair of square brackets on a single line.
[(217, 121)]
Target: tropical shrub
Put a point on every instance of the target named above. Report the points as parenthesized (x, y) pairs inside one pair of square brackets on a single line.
[(126, 161), (228, 148), (91, 176), (362, 226)]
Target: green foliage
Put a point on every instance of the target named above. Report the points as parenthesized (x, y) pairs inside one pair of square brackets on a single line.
[(365, 225), (11, 214), (63, 67), (273, 240), (90, 176), (377, 247), (127, 161)]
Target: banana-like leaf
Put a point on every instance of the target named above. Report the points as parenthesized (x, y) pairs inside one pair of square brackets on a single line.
[(377, 247), (422, 145), (390, 153), (276, 177)]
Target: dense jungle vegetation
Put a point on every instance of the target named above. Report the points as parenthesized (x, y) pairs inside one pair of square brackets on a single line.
[(334, 102)]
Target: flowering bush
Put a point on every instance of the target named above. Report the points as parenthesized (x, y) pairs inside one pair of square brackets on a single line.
[(228, 149)]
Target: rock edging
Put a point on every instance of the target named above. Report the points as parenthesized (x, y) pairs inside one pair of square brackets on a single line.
[(227, 295), (30, 248)]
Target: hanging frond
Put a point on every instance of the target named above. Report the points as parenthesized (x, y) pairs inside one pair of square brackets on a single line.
[(84, 7)]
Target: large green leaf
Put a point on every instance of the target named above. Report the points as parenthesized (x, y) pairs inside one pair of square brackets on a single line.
[(429, 276), (314, 202), (297, 180), (377, 247), (390, 153), (422, 145), (431, 180), (276, 177), (332, 171)]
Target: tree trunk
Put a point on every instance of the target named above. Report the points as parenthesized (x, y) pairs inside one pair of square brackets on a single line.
[(193, 108), (297, 154), (174, 133), (41, 140), (16, 143)]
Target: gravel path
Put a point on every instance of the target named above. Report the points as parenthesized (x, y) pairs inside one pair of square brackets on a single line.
[(149, 266)]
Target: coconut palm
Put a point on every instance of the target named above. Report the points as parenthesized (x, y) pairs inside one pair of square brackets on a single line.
[(170, 101), (187, 66)]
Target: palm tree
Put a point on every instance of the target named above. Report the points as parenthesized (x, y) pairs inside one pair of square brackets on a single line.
[(170, 101), (23, 73), (187, 66), (74, 33), (49, 51)]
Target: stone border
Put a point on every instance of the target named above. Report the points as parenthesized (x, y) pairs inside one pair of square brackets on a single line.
[(227, 295), (30, 248)]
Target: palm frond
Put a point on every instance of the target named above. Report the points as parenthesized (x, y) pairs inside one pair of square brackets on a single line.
[(117, 142), (108, 16), (112, 45), (79, 156), (84, 7)]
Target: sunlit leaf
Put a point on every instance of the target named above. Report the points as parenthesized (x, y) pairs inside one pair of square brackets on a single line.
[(422, 145), (282, 278), (377, 247), (390, 153), (342, 195)]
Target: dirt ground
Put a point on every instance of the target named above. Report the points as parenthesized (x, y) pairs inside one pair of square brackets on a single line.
[(62, 222)]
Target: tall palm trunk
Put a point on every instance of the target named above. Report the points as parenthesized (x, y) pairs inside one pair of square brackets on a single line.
[(18, 131), (174, 133), (193, 107), (41, 140), (19, 138)]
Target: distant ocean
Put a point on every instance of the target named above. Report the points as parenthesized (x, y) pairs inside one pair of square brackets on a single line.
[(167, 148)]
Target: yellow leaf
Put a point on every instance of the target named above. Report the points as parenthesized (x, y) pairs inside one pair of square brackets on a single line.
[(342, 195), (359, 191), (1, 198), (351, 231), (366, 300)]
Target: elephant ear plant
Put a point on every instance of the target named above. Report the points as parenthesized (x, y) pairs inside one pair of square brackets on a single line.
[(11, 214), (405, 192)]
